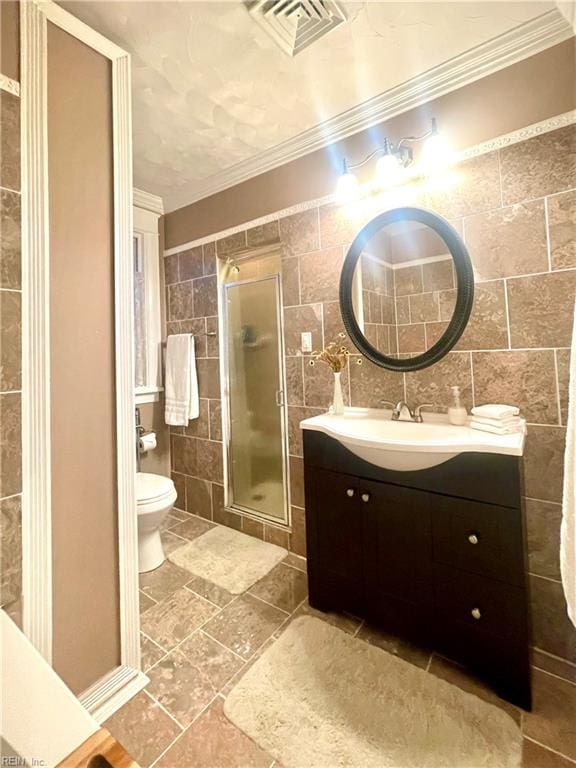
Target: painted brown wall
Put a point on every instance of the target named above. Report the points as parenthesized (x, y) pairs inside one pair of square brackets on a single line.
[(85, 542), (473, 114), (10, 327), (10, 39)]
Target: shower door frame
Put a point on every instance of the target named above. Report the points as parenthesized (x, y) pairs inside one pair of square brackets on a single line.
[(282, 406)]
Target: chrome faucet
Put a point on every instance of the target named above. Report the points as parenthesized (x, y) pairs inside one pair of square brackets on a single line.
[(402, 411)]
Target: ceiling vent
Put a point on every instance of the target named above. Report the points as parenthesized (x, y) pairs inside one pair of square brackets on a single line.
[(296, 24)]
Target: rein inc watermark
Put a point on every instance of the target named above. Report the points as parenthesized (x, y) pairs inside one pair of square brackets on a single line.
[(12, 761)]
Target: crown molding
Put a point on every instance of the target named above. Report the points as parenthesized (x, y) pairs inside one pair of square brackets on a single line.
[(148, 201), (528, 39), (492, 145)]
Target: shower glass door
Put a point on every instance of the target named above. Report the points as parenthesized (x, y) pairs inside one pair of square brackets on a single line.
[(256, 439)]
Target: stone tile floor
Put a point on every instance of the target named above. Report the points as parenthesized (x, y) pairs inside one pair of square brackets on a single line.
[(198, 639)]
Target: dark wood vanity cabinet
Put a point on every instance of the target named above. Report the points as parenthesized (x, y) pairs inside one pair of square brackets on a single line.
[(435, 556)]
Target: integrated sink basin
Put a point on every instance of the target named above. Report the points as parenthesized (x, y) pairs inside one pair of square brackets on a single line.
[(407, 446)]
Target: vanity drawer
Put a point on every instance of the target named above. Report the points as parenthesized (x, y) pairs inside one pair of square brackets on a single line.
[(478, 538), (481, 604)]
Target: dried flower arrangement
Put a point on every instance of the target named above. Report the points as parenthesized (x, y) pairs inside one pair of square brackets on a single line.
[(336, 357)]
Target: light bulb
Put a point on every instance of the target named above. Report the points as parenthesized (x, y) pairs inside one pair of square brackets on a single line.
[(348, 186), (388, 170), (436, 153)]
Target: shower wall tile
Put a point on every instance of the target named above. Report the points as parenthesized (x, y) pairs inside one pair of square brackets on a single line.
[(488, 324), (209, 258), (539, 166), (191, 264), (541, 309), (320, 275), (208, 370), (10, 549), (200, 427), (10, 444), (180, 485), (508, 241), (9, 141), (543, 462), (562, 224), (10, 341), (543, 526), (300, 233), (514, 349), (552, 630), (526, 378), (294, 380), (205, 296), (563, 365), (10, 359), (299, 320), (10, 241), (231, 244), (265, 234), (290, 282), (171, 269), (199, 497), (432, 385), (212, 337), (215, 431), (370, 384), (338, 227), (180, 305), (475, 188)]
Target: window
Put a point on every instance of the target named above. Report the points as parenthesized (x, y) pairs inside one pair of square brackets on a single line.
[(147, 319)]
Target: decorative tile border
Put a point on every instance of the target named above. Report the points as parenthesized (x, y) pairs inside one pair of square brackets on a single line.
[(506, 140), (9, 85)]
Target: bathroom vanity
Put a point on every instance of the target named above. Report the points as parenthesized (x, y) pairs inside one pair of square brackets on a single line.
[(434, 554)]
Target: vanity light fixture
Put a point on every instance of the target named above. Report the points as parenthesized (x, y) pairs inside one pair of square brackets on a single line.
[(392, 161)]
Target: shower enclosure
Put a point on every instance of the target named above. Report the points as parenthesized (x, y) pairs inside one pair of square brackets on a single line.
[(254, 363)]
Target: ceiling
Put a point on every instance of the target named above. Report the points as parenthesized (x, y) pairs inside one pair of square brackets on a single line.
[(212, 90)]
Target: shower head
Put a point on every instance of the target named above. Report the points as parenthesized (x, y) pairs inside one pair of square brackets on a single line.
[(231, 266)]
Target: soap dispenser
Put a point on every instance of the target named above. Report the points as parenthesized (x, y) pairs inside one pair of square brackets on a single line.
[(457, 414)]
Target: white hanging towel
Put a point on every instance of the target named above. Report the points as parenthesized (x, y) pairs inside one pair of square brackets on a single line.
[(181, 396), (568, 528)]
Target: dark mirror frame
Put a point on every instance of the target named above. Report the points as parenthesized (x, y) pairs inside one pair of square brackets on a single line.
[(464, 298)]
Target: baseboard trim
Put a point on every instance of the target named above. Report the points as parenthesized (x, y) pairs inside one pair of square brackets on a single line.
[(107, 695)]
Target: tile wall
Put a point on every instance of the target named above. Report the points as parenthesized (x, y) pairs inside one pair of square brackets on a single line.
[(10, 356), (516, 210)]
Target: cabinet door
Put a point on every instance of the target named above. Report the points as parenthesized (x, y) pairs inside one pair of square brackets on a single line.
[(334, 537), (397, 540)]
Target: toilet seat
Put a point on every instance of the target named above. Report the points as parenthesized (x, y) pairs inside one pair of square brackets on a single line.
[(153, 492)]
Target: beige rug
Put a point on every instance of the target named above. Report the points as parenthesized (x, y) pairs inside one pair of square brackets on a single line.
[(230, 559), (319, 698)]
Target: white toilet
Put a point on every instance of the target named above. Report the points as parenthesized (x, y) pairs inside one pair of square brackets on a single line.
[(155, 497)]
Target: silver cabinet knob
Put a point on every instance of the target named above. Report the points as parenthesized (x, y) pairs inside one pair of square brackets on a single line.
[(365, 497), (350, 492), (473, 538), (476, 614)]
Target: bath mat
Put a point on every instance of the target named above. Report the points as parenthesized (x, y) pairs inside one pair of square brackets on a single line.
[(232, 560), (319, 697)]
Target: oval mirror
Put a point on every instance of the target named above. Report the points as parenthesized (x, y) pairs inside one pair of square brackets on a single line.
[(406, 289)]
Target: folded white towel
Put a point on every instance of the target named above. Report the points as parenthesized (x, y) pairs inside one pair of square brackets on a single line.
[(495, 411), (510, 421), (181, 395), (502, 430)]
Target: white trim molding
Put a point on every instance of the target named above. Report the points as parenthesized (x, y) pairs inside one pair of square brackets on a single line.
[(116, 687), (148, 201), (520, 43), (506, 140), (36, 454), (9, 85), (112, 691)]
